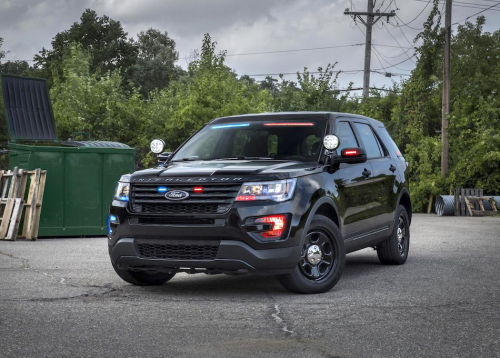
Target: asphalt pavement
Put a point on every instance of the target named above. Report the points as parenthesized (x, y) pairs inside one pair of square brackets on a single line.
[(61, 298)]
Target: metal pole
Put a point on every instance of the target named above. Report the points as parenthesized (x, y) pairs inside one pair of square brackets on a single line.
[(368, 50), (446, 90)]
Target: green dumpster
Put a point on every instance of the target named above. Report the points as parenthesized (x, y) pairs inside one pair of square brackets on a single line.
[(81, 176)]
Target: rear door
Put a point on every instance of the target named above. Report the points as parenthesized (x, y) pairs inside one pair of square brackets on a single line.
[(355, 186), (383, 175)]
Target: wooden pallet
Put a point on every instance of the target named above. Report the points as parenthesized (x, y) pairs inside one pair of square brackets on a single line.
[(460, 205), (13, 204), (470, 201)]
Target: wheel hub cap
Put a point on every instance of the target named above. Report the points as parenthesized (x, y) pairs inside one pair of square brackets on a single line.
[(400, 234), (314, 254)]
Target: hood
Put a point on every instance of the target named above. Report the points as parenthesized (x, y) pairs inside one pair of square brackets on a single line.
[(230, 170)]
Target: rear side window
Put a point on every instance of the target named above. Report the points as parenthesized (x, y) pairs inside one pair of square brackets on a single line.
[(389, 143), (346, 136), (372, 146)]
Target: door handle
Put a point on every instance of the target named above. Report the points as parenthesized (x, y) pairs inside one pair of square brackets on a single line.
[(392, 168), (366, 173)]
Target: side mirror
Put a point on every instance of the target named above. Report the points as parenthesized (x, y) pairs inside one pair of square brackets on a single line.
[(351, 155), (163, 157)]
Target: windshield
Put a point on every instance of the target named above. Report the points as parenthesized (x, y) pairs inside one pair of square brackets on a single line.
[(266, 140)]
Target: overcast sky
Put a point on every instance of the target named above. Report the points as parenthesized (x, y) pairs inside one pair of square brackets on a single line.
[(243, 26)]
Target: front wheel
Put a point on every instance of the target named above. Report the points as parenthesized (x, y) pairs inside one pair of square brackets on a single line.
[(322, 259), (143, 278), (394, 251)]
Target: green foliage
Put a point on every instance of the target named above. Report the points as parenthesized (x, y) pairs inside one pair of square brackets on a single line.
[(310, 93), (85, 102), (210, 91)]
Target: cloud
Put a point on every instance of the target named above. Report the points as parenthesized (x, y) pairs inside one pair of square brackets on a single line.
[(239, 26)]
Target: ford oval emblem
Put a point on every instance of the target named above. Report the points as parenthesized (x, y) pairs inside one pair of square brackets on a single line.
[(177, 195)]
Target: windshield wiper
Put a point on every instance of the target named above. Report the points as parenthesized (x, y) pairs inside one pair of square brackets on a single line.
[(245, 158), (189, 159)]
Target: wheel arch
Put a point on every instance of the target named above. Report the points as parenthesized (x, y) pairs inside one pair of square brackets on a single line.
[(405, 200), (324, 206)]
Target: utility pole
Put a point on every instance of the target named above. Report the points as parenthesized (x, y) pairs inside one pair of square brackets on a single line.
[(446, 90), (371, 19)]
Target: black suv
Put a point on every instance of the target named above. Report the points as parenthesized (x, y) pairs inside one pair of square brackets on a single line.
[(287, 194)]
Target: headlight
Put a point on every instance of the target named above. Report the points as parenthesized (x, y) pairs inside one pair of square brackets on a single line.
[(122, 191), (280, 190)]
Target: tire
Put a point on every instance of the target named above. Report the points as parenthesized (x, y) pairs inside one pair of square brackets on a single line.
[(143, 278), (394, 251), (304, 278)]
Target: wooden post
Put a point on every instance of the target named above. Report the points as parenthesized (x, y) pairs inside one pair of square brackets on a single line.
[(446, 90)]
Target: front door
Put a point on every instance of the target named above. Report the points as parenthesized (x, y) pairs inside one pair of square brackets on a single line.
[(356, 187), (383, 175)]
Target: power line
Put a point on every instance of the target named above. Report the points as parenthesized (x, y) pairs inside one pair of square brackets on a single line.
[(390, 65), (266, 52), (398, 43), (316, 72), (283, 51), (477, 13), (468, 5), (420, 13)]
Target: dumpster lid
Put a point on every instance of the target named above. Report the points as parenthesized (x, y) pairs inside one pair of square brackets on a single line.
[(27, 108), (96, 144)]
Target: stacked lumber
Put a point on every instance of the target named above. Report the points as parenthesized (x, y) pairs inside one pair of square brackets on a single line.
[(14, 202)]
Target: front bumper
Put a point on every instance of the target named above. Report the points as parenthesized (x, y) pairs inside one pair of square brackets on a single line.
[(231, 256), (238, 250)]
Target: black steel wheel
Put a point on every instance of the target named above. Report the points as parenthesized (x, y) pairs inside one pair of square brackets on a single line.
[(394, 251), (317, 258), (322, 259)]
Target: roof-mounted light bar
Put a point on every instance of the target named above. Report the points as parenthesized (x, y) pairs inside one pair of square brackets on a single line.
[(289, 124), (231, 125)]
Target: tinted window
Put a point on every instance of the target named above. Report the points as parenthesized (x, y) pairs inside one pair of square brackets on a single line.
[(371, 144), (386, 138), (346, 136)]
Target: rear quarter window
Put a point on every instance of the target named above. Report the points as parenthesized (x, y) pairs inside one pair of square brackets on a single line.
[(388, 141)]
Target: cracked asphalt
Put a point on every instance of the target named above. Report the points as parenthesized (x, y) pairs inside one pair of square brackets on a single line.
[(61, 298)]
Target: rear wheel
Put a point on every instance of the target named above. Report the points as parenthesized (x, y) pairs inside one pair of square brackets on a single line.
[(143, 278), (394, 251), (322, 259)]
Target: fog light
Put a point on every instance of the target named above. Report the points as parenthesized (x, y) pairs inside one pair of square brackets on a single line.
[(112, 219), (278, 221)]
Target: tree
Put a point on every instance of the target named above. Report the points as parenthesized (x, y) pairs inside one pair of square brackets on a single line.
[(155, 66), (211, 90), (2, 53), (310, 93), (85, 102), (102, 37)]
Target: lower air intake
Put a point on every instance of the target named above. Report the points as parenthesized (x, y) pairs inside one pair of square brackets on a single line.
[(174, 250)]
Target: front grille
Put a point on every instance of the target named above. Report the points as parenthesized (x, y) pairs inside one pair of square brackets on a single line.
[(178, 250), (215, 199)]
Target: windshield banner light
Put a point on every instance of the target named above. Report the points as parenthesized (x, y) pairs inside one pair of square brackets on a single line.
[(231, 125)]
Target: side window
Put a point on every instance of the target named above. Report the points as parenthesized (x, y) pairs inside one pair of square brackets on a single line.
[(371, 144), (346, 136)]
